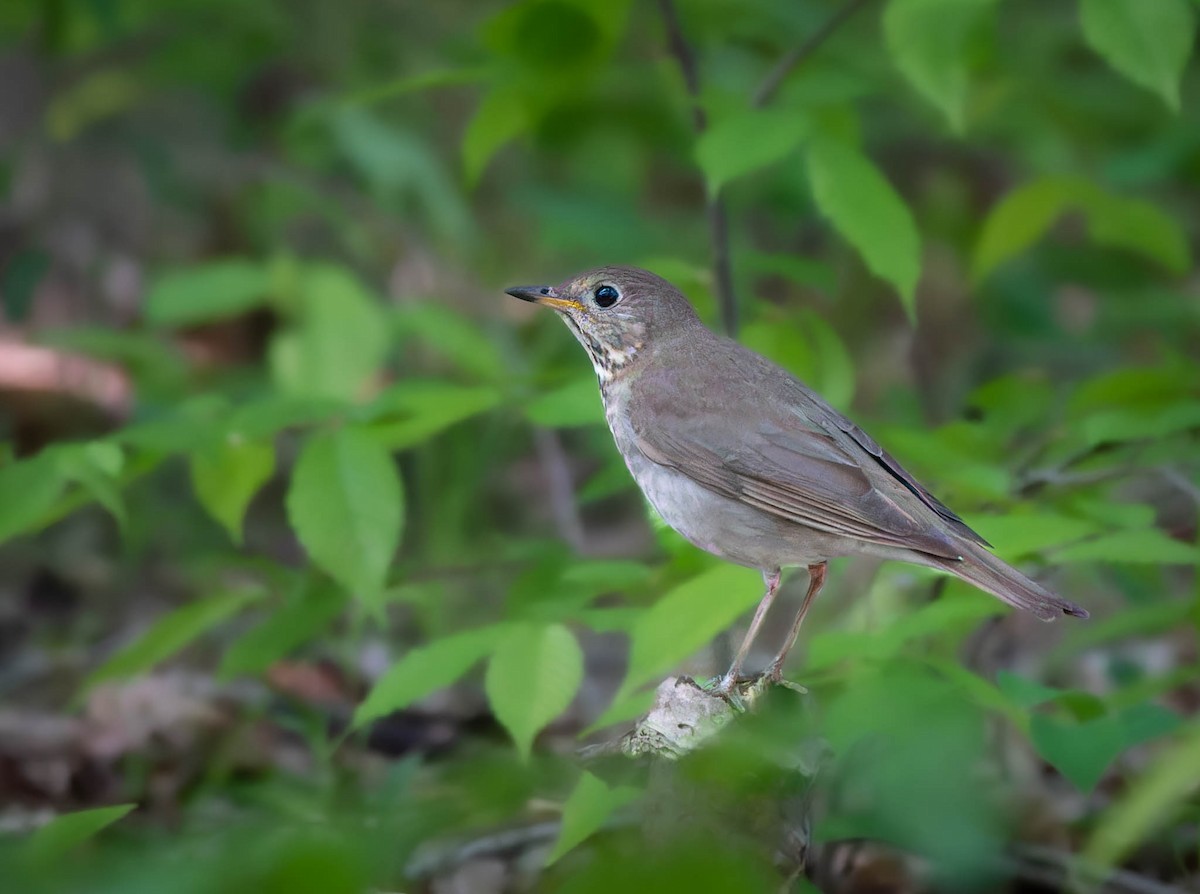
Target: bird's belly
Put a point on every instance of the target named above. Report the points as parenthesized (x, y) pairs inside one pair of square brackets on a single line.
[(723, 526)]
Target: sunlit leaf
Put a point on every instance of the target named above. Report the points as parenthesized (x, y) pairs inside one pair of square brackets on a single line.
[(868, 212), (346, 504), (928, 40), (426, 669), (171, 633), (1148, 41), (206, 292), (531, 678), (55, 840), (303, 616), (227, 476), (687, 618), (586, 809), (748, 141)]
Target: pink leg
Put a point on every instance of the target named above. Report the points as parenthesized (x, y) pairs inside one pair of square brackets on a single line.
[(816, 577), (771, 579)]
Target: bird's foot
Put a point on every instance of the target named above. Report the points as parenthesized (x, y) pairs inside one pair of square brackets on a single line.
[(726, 688)]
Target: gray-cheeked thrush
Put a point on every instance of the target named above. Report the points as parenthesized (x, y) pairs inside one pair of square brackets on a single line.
[(746, 462)]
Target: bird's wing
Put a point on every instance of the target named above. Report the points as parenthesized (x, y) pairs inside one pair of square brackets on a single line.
[(785, 452)]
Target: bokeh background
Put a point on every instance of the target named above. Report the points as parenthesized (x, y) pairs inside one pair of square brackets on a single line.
[(318, 562)]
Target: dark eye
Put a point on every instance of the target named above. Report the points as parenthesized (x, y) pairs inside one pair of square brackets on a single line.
[(606, 296)]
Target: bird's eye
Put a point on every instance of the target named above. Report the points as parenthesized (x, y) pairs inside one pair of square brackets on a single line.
[(606, 296)]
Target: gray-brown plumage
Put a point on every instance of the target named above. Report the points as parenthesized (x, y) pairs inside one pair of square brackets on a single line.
[(748, 463)]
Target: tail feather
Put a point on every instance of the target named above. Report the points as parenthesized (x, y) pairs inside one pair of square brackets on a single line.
[(993, 575)]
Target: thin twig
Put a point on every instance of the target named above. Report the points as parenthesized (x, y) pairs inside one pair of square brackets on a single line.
[(771, 82), (718, 218)]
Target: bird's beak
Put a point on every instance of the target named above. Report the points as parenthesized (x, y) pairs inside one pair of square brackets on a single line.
[(543, 295)]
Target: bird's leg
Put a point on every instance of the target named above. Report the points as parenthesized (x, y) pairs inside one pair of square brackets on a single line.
[(816, 577), (729, 681)]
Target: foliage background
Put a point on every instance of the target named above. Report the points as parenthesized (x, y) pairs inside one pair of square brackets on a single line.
[(317, 551)]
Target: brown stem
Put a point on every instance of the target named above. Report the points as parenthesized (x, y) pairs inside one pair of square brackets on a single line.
[(797, 56), (718, 218)]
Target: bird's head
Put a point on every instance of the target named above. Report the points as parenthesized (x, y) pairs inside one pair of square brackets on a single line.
[(615, 312)]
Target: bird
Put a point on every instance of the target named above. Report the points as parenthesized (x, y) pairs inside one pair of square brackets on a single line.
[(748, 463)]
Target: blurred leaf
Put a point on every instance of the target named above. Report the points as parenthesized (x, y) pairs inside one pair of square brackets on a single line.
[(748, 141), (1025, 214), (1148, 545), (806, 345), (413, 411), (226, 477), (1025, 692), (95, 466), (1147, 803), (29, 488), (686, 619), (1019, 534), (338, 342), (531, 678), (1148, 42), (55, 840), (169, 634), (452, 335), (868, 213), (346, 504), (302, 617), (1142, 423), (800, 270), (586, 809), (502, 115), (1083, 751), (426, 669), (574, 404), (928, 40), (207, 292)]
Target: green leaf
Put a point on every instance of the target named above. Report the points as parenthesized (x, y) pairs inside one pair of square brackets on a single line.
[(532, 678), (1140, 423), (501, 116), (1134, 545), (1147, 803), (55, 840), (207, 292), (1022, 533), (569, 406), (586, 809), (302, 617), (338, 342), (226, 477), (868, 213), (346, 504), (748, 141), (171, 633), (28, 491), (1025, 214), (413, 411), (95, 466), (426, 669), (806, 345), (1025, 692), (1148, 41), (687, 618), (928, 40), (453, 336), (1083, 751)]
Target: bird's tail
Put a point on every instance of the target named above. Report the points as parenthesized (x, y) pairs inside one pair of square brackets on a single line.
[(990, 573)]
